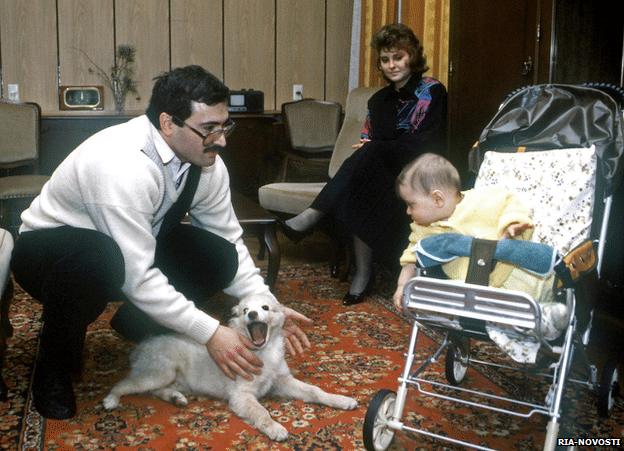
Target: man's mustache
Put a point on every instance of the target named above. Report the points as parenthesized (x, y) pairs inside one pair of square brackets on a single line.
[(214, 148)]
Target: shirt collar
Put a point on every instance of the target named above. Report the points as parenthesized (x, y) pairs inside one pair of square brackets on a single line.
[(407, 91), (167, 155), (165, 152)]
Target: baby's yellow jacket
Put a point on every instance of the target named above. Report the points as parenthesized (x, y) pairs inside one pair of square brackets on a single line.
[(485, 213)]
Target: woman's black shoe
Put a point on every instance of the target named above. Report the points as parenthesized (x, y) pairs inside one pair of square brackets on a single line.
[(352, 299), (293, 235)]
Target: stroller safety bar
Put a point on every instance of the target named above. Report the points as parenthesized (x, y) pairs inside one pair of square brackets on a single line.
[(456, 298)]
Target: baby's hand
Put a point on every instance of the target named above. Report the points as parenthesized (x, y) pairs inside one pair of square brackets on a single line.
[(516, 229), (360, 144), (397, 298)]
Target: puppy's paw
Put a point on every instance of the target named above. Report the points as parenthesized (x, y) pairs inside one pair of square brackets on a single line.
[(178, 399), (110, 402), (276, 431), (344, 402)]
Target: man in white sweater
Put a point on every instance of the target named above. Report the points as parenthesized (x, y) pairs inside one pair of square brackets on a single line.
[(107, 227)]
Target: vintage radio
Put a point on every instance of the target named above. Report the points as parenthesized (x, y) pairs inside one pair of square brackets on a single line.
[(246, 101), (81, 98)]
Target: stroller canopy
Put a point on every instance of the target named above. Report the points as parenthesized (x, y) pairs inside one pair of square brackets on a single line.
[(544, 117)]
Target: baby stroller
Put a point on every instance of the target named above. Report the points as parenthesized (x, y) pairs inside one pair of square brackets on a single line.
[(544, 140)]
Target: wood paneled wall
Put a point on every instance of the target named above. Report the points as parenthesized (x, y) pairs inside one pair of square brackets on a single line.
[(429, 19), (249, 50), (267, 45), (85, 27), (28, 49)]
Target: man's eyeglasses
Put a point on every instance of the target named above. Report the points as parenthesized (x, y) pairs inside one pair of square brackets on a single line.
[(211, 132)]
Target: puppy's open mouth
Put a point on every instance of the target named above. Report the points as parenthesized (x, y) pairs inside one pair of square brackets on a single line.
[(258, 333)]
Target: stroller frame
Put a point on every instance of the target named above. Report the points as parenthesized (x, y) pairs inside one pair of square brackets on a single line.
[(423, 296), (430, 302), (497, 306)]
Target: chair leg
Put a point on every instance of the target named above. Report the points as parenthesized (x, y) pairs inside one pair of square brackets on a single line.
[(341, 261), (6, 331), (262, 249), (272, 246), (3, 211)]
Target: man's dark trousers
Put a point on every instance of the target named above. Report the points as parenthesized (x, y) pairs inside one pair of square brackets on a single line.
[(75, 272)]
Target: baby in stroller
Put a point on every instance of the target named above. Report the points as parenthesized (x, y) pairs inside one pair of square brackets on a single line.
[(558, 149), (445, 220)]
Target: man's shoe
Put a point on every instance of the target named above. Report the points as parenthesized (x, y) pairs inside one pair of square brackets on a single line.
[(52, 390)]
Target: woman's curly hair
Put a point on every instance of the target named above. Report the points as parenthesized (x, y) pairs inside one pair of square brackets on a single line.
[(398, 36)]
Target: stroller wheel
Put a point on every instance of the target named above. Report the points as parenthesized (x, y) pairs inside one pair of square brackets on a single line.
[(456, 363), (609, 388), (377, 434)]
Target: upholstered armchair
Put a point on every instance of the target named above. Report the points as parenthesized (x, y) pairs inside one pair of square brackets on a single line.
[(291, 198), (6, 293), (294, 197), (312, 128), (19, 157)]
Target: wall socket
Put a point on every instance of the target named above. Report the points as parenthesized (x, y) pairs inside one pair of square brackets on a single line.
[(297, 92), (13, 92)]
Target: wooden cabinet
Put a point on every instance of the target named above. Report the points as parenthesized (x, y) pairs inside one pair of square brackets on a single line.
[(251, 153), (63, 133)]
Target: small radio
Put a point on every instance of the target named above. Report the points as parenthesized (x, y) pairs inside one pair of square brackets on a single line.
[(81, 98), (246, 101)]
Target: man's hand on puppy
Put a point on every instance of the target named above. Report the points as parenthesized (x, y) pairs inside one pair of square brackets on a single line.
[(231, 352), (296, 340)]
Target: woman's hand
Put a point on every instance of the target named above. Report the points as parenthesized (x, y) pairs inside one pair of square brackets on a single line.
[(360, 144), (516, 228), (296, 340), (231, 352)]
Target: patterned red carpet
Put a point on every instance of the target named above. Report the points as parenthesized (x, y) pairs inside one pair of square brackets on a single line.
[(356, 351)]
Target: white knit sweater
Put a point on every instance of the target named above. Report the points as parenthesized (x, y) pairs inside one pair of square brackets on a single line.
[(109, 184)]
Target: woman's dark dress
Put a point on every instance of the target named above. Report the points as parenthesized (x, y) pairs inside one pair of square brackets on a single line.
[(361, 197)]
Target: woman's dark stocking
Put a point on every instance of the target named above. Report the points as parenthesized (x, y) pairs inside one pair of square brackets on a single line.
[(363, 266)]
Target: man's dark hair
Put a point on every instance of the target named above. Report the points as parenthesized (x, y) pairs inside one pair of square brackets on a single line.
[(173, 91), (397, 36)]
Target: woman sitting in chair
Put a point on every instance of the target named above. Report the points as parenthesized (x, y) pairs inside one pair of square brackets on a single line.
[(405, 119)]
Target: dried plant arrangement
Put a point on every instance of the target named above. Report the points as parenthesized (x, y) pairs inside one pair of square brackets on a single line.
[(120, 79)]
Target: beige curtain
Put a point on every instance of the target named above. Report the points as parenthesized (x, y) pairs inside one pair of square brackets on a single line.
[(428, 18)]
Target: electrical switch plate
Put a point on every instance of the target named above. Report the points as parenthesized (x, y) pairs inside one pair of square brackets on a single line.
[(297, 92), (13, 92)]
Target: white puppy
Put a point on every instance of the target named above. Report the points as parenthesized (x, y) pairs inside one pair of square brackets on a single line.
[(171, 365)]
